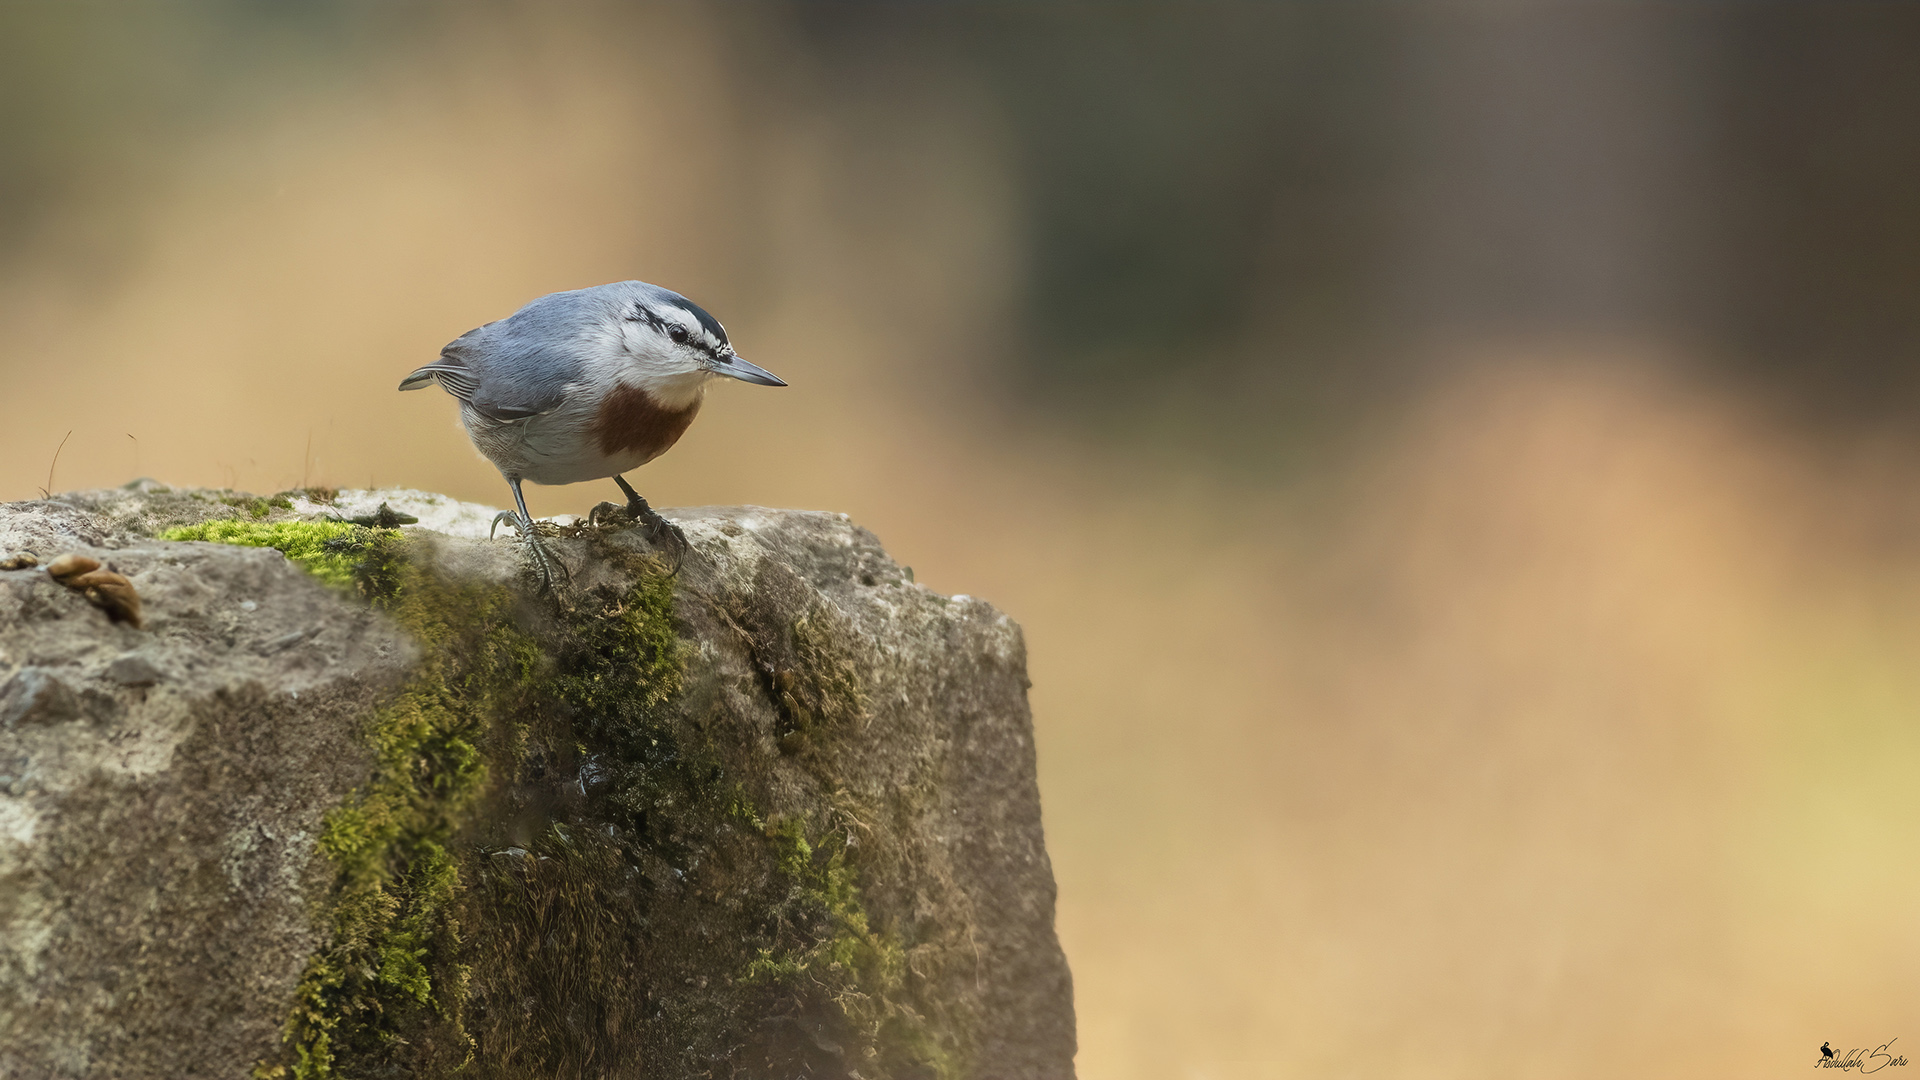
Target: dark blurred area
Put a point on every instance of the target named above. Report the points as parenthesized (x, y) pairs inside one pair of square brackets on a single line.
[(1278, 200), (1453, 462), (1283, 201)]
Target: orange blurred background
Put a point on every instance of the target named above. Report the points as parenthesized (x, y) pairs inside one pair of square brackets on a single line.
[(1453, 463)]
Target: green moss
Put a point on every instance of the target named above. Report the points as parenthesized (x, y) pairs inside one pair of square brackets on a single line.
[(388, 990), (860, 970), (558, 862), (325, 549), (823, 687), (628, 661), (255, 506)]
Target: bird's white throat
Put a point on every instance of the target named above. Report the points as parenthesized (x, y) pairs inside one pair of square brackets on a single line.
[(673, 390)]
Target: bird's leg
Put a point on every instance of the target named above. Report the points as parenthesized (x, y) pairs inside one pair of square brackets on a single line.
[(523, 524), (659, 530), (637, 507)]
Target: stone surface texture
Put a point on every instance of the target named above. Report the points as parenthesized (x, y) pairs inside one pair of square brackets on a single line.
[(160, 796), (162, 790)]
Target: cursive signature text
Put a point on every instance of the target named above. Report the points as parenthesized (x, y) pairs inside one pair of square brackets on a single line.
[(1865, 1061)]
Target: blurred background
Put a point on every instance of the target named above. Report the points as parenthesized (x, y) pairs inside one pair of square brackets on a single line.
[(1455, 463)]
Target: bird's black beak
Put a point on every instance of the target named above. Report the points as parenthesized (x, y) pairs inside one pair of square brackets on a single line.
[(733, 367)]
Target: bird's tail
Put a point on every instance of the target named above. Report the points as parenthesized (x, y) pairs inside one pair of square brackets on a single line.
[(418, 379)]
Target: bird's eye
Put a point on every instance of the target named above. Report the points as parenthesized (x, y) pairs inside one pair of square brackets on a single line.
[(678, 334)]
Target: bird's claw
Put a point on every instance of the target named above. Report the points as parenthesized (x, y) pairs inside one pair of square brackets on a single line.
[(668, 535), (660, 532), (542, 558)]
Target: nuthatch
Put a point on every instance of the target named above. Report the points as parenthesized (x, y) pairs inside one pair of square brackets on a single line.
[(585, 385)]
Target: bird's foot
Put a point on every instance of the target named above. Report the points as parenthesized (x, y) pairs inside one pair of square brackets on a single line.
[(660, 531), (551, 568)]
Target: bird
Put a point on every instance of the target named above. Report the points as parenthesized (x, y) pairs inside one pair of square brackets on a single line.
[(1825, 1050), (583, 385)]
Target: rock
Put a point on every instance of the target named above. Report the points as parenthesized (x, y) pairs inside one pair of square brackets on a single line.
[(136, 670), (157, 862), (774, 815), (36, 696)]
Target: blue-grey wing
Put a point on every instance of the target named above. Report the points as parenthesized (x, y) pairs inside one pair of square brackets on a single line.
[(501, 373)]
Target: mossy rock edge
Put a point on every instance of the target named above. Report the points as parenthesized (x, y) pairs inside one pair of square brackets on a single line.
[(773, 815)]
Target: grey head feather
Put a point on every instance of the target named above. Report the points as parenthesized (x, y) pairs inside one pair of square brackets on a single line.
[(656, 297)]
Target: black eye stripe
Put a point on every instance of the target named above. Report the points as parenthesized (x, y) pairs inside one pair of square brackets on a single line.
[(680, 334)]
